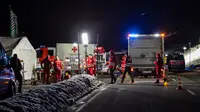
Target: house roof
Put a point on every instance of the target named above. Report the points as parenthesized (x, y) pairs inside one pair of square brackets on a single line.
[(9, 43)]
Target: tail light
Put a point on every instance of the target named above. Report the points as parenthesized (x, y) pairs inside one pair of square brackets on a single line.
[(172, 63)]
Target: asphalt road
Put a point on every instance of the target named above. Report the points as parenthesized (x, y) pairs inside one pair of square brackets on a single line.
[(144, 96)]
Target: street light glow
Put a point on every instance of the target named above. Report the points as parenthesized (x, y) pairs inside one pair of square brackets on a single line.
[(85, 38), (156, 35), (184, 48)]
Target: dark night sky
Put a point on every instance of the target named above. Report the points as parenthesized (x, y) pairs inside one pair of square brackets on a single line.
[(46, 22)]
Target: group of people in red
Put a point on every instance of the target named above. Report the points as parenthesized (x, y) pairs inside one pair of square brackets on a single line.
[(126, 67), (46, 64), (91, 67)]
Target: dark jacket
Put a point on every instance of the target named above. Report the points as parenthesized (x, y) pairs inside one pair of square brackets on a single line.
[(16, 64), (128, 61), (47, 64)]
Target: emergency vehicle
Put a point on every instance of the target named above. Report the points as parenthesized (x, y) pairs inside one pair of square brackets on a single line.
[(143, 48)]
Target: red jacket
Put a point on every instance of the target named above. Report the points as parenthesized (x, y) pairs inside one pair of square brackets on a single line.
[(159, 65), (90, 62), (123, 62), (112, 61), (57, 65)]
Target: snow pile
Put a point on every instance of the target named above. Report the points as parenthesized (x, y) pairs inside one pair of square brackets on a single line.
[(51, 98)]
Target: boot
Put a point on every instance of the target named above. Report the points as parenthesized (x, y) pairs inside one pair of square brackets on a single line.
[(122, 80), (114, 80), (111, 81), (132, 81)]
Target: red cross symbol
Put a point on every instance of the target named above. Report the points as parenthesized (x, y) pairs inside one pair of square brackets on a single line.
[(74, 49)]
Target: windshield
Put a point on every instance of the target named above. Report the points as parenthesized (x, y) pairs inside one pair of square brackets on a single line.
[(176, 57), (50, 52), (39, 53), (3, 61)]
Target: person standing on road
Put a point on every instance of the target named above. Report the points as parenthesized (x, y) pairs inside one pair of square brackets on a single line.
[(46, 69), (128, 69), (90, 65), (159, 65), (57, 68), (17, 67), (112, 66)]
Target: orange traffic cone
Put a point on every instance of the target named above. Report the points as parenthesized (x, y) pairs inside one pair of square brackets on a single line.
[(179, 85)]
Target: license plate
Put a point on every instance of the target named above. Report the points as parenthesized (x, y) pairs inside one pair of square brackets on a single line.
[(146, 72)]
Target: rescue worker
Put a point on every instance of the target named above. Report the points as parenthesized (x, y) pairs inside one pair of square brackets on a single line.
[(90, 65), (128, 68), (17, 67), (159, 65), (123, 63), (58, 68), (46, 69), (112, 66)]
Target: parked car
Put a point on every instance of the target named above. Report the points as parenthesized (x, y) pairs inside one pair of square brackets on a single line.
[(7, 77), (176, 61)]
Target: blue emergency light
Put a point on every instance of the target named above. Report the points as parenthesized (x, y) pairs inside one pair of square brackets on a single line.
[(42, 46), (133, 35)]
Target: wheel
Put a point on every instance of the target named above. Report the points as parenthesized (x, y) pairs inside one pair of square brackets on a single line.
[(11, 89)]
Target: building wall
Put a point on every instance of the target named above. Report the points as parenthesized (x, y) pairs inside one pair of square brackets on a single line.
[(192, 57)]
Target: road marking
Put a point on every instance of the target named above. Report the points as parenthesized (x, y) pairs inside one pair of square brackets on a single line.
[(92, 98), (143, 81), (191, 92), (174, 80)]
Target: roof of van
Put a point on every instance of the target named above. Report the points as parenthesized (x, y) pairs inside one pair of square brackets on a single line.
[(9, 43)]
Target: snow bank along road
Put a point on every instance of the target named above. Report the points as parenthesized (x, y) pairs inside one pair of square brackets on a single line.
[(51, 98)]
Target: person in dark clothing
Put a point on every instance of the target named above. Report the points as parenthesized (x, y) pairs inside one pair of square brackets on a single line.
[(46, 68), (159, 65), (112, 66), (128, 69), (17, 67)]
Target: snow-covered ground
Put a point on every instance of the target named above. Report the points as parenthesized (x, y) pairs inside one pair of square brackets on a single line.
[(51, 98)]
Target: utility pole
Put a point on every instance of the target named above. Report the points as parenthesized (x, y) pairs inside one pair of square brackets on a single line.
[(190, 54), (97, 64), (78, 55)]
